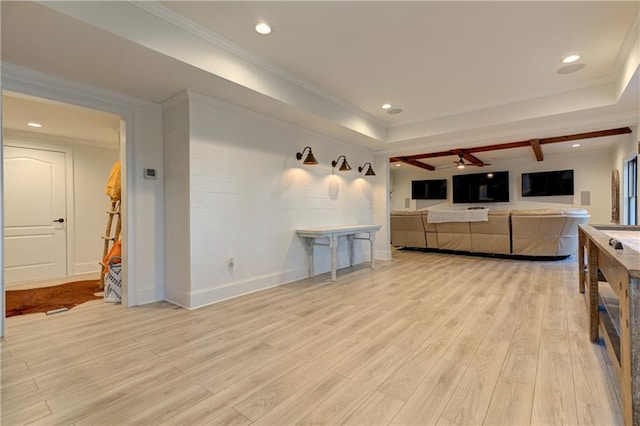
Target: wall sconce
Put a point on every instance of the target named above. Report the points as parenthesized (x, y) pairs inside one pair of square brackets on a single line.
[(345, 167), (310, 159), (369, 172)]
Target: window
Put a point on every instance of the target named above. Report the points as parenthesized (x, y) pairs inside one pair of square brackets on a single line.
[(631, 193)]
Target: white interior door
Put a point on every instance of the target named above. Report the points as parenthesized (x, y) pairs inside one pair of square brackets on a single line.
[(34, 202)]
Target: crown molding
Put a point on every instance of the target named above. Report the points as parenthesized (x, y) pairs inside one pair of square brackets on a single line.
[(625, 50), (27, 81)]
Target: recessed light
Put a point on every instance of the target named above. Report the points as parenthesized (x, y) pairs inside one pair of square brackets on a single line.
[(394, 111), (575, 145), (34, 124), (568, 69), (571, 58), (386, 106), (398, 164), (263, 28)]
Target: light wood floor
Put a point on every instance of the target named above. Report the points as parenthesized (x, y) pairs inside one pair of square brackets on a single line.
[(424, 339)]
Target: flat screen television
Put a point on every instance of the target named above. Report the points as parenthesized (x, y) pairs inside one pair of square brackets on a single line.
[(432, 189), (490, 187), (543, 184)]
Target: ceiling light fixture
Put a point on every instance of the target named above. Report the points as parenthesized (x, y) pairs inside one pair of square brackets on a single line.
[(568, 69), (369, 172), (263, 28), (310, 159), (575, 145), (345, 167), (34, 124), (386, 106), (460, 163), (571, 58), (398, 164)]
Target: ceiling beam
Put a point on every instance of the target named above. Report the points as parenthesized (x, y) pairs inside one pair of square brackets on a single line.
[(510, 145), (537, 149), (588, 135), (412, 162)]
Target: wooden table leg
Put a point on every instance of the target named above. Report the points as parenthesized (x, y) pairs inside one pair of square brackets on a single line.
[(581, 264), (333, 244), (594, 316), (630, 352), (372, 240), (309, 245), (351, 251)]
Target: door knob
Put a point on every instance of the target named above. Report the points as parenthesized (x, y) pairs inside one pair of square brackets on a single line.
[(61, 220)]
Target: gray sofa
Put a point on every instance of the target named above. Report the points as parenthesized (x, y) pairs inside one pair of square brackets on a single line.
[(538, 232)]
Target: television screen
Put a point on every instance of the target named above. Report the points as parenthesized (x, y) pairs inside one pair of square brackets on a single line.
[(492, 187), (433, 189), (542, 184)]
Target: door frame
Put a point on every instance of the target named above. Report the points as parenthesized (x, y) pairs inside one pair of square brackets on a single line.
[(29, 82), (70, 218)]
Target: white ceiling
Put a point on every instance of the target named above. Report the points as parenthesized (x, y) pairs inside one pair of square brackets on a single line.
[(464, 73), (82, 125)]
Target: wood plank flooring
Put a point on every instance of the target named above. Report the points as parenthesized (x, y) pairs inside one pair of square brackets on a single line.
[(426, 338)]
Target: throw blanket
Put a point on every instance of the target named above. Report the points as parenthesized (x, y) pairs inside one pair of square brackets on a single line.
[(441, 216)]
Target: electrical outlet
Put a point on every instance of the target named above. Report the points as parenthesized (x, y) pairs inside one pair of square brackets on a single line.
[(231, 262)]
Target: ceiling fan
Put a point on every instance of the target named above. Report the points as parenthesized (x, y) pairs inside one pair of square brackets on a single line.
[(461, 164)]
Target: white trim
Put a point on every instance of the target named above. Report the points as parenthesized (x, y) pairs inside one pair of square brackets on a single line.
[(625, 49), (16, 78), (201, 298), (69, 193)]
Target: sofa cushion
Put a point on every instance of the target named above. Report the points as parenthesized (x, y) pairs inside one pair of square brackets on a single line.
[(454, 236), (407, 229), (493, 236)]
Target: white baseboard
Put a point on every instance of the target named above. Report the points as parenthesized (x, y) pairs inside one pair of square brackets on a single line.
[(177, 297), (383, 254), (206, 297)]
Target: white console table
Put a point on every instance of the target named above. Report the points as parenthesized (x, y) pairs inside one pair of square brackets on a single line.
[(332, 233)]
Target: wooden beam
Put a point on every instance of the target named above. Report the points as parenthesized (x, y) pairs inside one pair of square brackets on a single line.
[(430, 155), (414, 163), (588, 135), (518, 144), (537, 149)]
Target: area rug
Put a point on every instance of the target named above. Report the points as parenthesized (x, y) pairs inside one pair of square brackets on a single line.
[(21, 302)]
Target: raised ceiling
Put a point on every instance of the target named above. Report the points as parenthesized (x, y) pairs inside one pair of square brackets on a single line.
[(464, 73)]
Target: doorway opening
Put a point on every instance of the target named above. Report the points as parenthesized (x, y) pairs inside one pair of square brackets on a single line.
[(56, 162)]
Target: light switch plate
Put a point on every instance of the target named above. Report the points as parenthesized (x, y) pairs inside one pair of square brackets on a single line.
[(150, 174)]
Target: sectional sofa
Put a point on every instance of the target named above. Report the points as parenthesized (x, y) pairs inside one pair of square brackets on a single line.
[(538, 232)]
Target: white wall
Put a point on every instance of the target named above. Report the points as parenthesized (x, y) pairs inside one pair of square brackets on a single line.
[(248, 194), (592, 173), (91, 166), (177, 207)]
